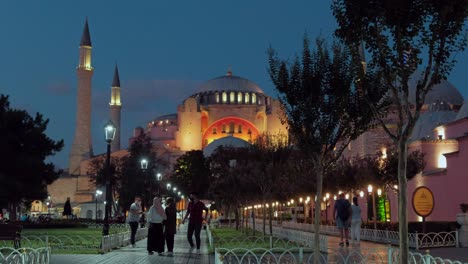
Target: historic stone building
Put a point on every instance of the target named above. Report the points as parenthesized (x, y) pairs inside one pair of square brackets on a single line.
[(228, 110)]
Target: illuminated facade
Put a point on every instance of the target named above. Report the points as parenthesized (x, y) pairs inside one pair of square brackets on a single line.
[(227, 106)]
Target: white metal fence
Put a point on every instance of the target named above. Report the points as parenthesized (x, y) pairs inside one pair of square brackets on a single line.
[(416, 240), (10, 255), (306, 255), (121, 239)]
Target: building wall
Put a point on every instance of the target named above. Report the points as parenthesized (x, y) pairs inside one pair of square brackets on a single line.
[(247, 112)]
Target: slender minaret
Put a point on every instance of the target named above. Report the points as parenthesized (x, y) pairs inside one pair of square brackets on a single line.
[(115, 107), (82, 148)]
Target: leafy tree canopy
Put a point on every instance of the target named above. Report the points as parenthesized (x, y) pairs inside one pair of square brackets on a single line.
[(24, 172), (191, 172)]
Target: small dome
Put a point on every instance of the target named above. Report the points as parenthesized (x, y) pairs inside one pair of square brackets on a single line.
[(428, 121), (228, 141), (229, 83), (166, 117), (442, 92)]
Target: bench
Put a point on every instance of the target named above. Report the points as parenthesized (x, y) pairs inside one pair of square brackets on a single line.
[(11, 232)]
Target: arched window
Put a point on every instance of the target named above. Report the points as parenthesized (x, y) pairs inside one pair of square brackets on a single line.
[(217, 97), (223, 129), (239, 97), (224, 97), (254, 98), (247, 98), (240, 129), (231, 127), (232, 98)]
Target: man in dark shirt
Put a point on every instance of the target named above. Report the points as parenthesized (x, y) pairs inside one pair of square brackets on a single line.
[(195, 210)]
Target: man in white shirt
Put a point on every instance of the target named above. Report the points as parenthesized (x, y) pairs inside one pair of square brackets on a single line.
[(133, 218)]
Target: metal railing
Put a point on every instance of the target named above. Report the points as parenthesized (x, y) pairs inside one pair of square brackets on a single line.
[(416, 240), (24, 255), (80, 242), (306, 255), (121, 239), (115, 225), (306, 238)]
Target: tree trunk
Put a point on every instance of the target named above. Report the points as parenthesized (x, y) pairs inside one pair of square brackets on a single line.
[(264, 217), (270, 209), (253, 221), (317, 213), (402, 200), (237, 218)]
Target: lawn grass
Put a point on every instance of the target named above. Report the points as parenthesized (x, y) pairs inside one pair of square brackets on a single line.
[(231, 238), (65, 240)]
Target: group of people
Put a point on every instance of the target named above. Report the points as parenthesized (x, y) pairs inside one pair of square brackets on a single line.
[(162, 223), (346, 216)]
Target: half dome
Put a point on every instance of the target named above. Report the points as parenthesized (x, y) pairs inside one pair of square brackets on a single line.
[(430, 120), (228, 141), (229, 83)]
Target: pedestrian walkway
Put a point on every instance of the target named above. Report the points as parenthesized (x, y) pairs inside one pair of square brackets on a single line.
[(183, 254), (452, 253)]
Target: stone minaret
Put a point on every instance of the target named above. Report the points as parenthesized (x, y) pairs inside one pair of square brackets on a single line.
[(115, 107), (81, 148)]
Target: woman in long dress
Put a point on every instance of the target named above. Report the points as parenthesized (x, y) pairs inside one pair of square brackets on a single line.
[(170, 224), (156, 216)]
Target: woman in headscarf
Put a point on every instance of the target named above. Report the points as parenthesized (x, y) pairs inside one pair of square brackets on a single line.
[(170, 224), (155, 218)]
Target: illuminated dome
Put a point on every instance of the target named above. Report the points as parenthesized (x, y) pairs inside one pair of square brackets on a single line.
[(228, 141), (229, 83)]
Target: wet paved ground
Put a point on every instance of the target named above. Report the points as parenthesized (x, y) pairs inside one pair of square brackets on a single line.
[(182, 254)]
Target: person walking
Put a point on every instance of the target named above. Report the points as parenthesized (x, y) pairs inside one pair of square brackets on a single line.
[(195, 210), (133, 218), (342, 213), (156, 216), (355, 222), (170, 225)]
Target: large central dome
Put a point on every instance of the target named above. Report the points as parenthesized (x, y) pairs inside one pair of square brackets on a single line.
[(229, 83)]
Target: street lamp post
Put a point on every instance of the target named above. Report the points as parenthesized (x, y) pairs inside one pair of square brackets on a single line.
[(98, 193), (158, 180), (144, 166), (109, 130)]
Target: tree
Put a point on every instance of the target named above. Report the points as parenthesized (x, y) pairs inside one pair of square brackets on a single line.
[(97, 172), (24, 172), (191, 172), (133, 180), (402, 36), (322, 106)]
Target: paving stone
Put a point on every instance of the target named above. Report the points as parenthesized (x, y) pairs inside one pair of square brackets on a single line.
[(183, 254)]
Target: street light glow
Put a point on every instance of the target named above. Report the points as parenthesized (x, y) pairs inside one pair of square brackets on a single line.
[(361, 194), (379, 192), (369, 188)]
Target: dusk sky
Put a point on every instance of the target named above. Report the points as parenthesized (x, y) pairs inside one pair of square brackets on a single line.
[(164, 50)]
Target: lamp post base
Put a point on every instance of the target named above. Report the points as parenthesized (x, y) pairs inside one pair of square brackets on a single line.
[(105, 229)]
